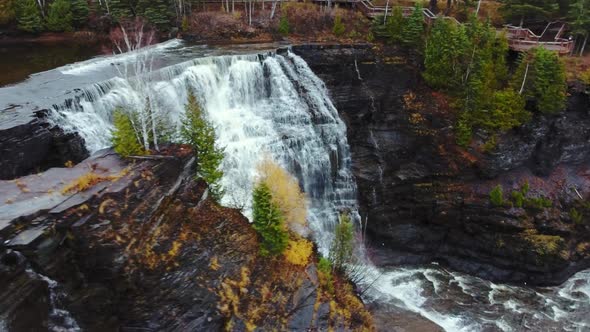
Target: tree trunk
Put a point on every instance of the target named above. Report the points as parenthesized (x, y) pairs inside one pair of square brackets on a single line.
[(524, 79), (449, 5), (385, 17), (272, 11), (584, 45), (433, 6)]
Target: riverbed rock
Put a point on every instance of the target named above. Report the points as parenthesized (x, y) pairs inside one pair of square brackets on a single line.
[(427, 199)]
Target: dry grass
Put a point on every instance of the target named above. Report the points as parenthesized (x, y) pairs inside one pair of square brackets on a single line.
[(577, 68), (89, 180), (85, 182)]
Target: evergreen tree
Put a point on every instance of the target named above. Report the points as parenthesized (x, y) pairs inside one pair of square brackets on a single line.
[(446, 57), (268, 222), (394, 25), (342, 246), (123, 9), (59, 16), (339, 27), (507, 111), (28, 16), (284, 25), (413, 30), (80, 11), (200, 134), (541, 78), (486, 65), (519, 10), (124, 139), (579, 20), (157, 12)]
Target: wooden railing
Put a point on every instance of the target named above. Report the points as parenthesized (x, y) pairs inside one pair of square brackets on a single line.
[(521, 39)]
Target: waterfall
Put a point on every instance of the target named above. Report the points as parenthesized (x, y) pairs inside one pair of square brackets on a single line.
[(260, 105), (273, 104)]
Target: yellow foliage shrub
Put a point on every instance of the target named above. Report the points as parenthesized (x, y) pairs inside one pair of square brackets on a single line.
[(286, 193), (298, 252)]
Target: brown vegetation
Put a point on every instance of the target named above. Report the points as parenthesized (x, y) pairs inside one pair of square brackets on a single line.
[(305, 20)]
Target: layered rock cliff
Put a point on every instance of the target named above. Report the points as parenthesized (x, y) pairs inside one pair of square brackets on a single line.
[(112, 245), (427, 199)]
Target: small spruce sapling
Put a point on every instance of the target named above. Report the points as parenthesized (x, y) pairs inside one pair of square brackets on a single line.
[(497, 196), (268, 222), (124, 139)]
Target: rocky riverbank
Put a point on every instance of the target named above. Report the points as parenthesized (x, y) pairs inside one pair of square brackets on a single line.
[(427, 199), (111, 245)]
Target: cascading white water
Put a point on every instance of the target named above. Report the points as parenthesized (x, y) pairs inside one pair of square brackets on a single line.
[(275, 105), (260, 105)]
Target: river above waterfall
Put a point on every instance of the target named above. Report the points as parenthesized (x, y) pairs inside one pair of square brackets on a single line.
[(264, 103)]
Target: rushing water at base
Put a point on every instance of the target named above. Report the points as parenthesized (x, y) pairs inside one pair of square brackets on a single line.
[(275, 105), (60, 320)]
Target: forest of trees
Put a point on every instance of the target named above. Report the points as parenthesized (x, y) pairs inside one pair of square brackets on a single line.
[(469, 63), (65, 15)]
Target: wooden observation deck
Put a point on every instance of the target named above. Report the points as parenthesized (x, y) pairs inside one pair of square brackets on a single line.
[(521, 39)]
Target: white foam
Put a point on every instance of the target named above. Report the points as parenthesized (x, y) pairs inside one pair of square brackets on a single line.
[(102, 62)]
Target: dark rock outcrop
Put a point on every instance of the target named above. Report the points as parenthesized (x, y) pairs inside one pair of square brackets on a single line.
[(36, 146), (427, 199), (115, 246)]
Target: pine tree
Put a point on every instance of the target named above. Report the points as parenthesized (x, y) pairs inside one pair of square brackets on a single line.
[(446, 54), (124, 139), (342, 245), (157, 12), (28, 16), (123, 9), (394, 25), (200, 134), (413, 30), (339, 27), (80, 11), (284, 25), (519, 10), (59, 16), (268, 222), (579, 19), (541, 78)]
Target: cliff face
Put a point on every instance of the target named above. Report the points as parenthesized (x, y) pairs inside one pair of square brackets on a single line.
[(32, 146), (110, 245), (427, 199)]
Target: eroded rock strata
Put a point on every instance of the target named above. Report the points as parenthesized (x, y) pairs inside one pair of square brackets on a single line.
[(120, 245), (427, 199)]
